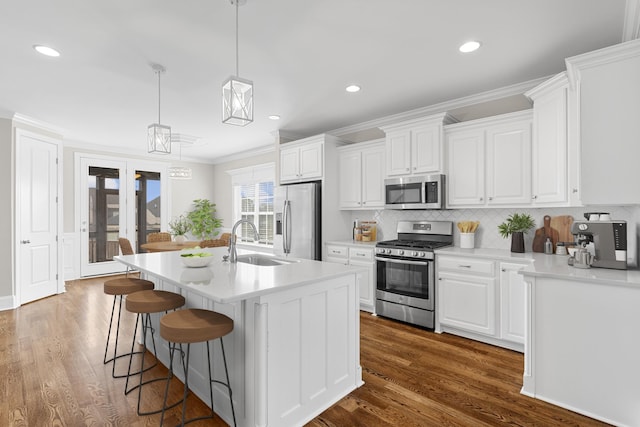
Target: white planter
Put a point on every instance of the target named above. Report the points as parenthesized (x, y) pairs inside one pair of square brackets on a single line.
[(179, 239)]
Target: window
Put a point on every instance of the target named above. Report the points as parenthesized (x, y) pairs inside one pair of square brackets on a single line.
[(253, 201)]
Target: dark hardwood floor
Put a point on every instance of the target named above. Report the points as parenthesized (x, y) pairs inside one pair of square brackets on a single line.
[(52, 375)]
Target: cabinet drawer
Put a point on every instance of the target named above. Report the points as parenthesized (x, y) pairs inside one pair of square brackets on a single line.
[(361, 254), (466, 265), (336, 251)]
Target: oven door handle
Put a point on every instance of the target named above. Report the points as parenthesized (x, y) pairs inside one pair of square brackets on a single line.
[(403, 261)]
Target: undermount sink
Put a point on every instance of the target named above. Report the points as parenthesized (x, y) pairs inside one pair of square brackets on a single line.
[(263, 260)]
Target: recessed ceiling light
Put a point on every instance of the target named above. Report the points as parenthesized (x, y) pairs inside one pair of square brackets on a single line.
[(353, 88), (46, 50), (469, 46), (274, 117)]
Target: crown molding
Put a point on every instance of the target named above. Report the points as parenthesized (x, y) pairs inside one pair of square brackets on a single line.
[(30, 121), (265, 149), (492, 95)]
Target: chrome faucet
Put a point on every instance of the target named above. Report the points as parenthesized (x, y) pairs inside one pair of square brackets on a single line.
[(233, 255)]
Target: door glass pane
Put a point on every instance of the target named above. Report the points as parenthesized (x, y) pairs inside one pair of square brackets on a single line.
[(148, 217), (104, 213)]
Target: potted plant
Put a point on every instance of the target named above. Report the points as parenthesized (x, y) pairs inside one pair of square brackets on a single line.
[(202, 219), (178, 228), (515, 226)]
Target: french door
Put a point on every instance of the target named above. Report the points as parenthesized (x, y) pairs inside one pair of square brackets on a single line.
[(117, 198)]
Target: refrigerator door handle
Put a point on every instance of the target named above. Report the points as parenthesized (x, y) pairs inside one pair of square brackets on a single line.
[(286, 230)]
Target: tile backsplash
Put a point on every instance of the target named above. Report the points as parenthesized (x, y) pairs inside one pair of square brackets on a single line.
[(487, 235)]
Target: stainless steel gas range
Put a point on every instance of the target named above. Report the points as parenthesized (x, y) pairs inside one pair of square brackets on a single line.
[(405, 268)]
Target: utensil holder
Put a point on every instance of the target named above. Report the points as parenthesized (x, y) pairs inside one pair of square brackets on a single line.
[(467, 240)]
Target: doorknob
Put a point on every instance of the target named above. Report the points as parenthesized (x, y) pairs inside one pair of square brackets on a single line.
[(24, 242)]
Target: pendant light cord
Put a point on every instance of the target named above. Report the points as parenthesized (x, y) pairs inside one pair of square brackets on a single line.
[(237, 56), (158, 96)]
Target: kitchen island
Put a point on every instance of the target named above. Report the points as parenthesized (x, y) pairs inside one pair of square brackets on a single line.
[(294, 350)]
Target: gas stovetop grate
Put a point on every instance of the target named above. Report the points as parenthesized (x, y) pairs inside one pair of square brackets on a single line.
[(416, 244)]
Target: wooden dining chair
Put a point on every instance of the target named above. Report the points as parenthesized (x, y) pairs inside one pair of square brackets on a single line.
[(162, 236)]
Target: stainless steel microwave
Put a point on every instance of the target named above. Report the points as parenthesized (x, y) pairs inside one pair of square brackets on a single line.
[(415, 192)]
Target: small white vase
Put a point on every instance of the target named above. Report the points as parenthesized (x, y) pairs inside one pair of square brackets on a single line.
[(180, 239)]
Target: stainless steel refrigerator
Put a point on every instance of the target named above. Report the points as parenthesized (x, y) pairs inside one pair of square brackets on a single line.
[(297, 221)]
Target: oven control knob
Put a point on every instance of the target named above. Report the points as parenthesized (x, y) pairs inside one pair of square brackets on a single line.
[(388, 251), (414, 253), (422, 254), (400, 252)]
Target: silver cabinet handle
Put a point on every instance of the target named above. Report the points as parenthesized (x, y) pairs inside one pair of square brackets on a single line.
[(490, 198), (481, 198), (575, 190), (503, 270), (25, 242), (534, 197), (464, 266)]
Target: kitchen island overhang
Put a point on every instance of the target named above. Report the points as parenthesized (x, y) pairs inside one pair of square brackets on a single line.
[(295, 348)]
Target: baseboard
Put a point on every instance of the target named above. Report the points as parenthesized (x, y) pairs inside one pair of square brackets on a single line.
[(7, 303)]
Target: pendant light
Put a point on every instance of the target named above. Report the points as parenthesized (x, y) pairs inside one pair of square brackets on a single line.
[(237, 93), (180, 172), (159, 136)]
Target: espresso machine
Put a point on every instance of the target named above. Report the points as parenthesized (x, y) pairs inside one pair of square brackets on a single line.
[(606, 241)]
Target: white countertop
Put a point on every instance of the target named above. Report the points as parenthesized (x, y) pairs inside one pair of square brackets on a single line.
[(225, 282), (552, 266), (351, 243)]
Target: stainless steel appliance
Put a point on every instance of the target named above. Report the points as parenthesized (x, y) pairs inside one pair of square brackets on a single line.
[(606, 241), (405, 267), (297, 220), (415, 192)]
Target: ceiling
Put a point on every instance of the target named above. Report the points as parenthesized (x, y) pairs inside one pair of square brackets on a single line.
[(300, 55)]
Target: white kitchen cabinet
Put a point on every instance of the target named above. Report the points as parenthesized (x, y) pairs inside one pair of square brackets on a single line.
[(466, 298), (301, 161), (415, 146), (361, 169), (609, 103), (512, 302), (362, 256), (489, 161), (550, 177), (477, 303)]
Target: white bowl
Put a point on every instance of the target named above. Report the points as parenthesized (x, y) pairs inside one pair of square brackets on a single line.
[(196, 261)]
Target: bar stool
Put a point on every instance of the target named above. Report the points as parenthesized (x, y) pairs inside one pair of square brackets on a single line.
[(118, 288), (143, 303), (191, 326)]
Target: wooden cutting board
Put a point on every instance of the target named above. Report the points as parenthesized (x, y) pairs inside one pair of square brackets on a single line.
[(542, 234), (562, 224)]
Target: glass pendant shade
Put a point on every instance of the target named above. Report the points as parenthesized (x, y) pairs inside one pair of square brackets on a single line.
[(237, 101), (159, 139), (179, 172)]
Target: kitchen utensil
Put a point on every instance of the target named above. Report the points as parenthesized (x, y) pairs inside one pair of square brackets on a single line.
[(542, 234), (582, 258), (562, 224), (468, 226)]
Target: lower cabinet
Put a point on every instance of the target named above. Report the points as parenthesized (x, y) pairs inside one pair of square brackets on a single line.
[(475, 302), (360, 256)]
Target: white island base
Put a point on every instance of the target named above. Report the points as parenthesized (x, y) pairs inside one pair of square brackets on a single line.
[(294, 350)]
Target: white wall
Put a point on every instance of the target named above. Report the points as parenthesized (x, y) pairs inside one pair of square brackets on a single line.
[(222, 194)]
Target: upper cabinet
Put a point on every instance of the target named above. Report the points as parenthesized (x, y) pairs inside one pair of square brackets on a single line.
[(361, 175), (415, 146), (489, 161), (608, 90), (301, 161), (555, 162)]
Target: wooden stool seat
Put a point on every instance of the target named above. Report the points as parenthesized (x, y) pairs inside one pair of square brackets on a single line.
[(126, 285), (153, 301), (194, 325)]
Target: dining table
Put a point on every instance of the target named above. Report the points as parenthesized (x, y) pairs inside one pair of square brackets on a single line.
[(167, 246)]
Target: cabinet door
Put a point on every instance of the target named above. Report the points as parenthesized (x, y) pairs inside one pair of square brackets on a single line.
[(373, 177), (509, 164), (467, 302), (465, 150), (398, 145), (289, 164), (363, 257), (350, 173), (425, 149), (311, 161), (549, 150), (512, 303)]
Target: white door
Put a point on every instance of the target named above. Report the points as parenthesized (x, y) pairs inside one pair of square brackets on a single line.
[(103, 214), (37, 219)]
